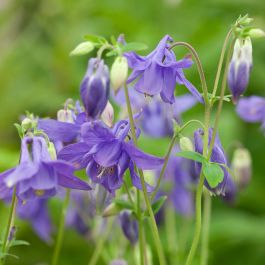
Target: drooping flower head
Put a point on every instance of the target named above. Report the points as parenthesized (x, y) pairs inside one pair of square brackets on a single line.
[(218, 156), (129, 226), (107, 153), (37, 175), (159, 72), (252, 109), (94, 89), (240, 67)]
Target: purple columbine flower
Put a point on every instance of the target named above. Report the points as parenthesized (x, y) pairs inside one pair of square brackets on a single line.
[(240, 67), (129, 227), (159, 72), (107, 153), (95, 87), (218, 156), (252, 109), (37, 175), (36, 212), (157, 117)]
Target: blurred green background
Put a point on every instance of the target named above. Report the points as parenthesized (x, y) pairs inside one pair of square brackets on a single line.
[(37, 74)]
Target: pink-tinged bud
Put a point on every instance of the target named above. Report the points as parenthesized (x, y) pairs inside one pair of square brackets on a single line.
[(240, 67), (108, 115), (119, 73), (242, 166)]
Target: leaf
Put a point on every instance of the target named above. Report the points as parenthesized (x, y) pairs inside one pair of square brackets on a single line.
[(156, 206), (123, 204), (213, 174), (112, 53), (19, 129), (95, 38), (2, 255), (15, 243), (83, 48), (192, 156), (133, 46), (116, 207)]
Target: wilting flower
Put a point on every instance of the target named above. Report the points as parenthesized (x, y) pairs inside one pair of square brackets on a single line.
[(107, 153), (157, 117), (158, 72), (94, 89), (217, 156), (252, 109), (129, 226), (37, 175), (36, 212), (240, 67)]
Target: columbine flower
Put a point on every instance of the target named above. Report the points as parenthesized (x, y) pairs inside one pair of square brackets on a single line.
[(106, 155), (157, 117), (129, 227), (37, 175), (240, 67), (94, 89), (217, 156), (158, 72), (252, 109), (36, 212)]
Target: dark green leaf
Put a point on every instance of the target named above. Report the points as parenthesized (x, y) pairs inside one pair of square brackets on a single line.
[(213, 174), (192, 156)]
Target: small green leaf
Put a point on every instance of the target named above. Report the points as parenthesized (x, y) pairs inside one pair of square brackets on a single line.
[(3, 255), (116, 207), (95, 38), (213, 174), (113, 40), (15, 243), (192, 156), (19, 130), (112, 53), (83, 48), (156, 206), (133, 46), (123, 204)]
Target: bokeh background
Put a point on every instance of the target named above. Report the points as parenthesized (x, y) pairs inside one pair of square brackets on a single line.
[(37, 74)]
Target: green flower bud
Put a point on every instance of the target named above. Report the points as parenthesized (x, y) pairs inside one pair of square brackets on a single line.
[(52, 151), (242, 166), (256, 33), (26, 124), (119, 73), (83, 48), (186, 144)]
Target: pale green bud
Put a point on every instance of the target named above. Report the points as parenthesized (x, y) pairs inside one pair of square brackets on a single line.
[(26, 124), (119, 73), (186, 144), (52, 151), (256, 33), (83, 48), (107, 115), (65, 116), (111, 210)]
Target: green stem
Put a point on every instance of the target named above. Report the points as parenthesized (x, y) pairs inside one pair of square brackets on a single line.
[(147, 202), (100, 244), (10, 222), (58, 244), (205, 228)]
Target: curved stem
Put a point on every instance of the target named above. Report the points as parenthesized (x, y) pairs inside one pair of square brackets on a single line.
[(188, 123), (147, 202), (205, 228), (59, 238), (10, 222)]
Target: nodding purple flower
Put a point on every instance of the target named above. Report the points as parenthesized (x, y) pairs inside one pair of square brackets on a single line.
[(95, 87), (129, 227), (252, 109), (240, 67), (36, 212), (159, 72), (217, 156), (37, 175), (178, 177), (107, 153), (157, 117)]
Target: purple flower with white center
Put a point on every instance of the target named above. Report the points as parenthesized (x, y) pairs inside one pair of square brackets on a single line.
[(157, 117), (129, 227), (252, 109), (178, 177), (240, 67), (159, 72), (95, 87), (37, 175), (36, 212), (217, 156), (107, 153)]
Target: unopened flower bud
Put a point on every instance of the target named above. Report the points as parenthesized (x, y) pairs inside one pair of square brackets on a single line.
[(240, 67), (119, 73), (108, 115), (83, 48), (186, 144), (256, 33), (52, 151), (26, 123), (111, 210), (94, 88), (65, 116), (241, 165), (129, 227)]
